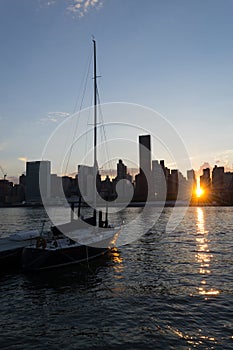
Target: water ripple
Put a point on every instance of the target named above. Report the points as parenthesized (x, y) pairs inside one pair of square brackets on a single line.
[(161, 292)]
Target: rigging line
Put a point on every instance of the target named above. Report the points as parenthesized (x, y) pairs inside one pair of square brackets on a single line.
[(104, 135), (75, 106), (82, 81), (90, 109), (86, 134), (77, 118)]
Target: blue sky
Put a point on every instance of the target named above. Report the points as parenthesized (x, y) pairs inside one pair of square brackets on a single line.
[(174, 56)]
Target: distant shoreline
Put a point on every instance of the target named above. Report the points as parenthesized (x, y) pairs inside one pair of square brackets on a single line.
[(130, 205)]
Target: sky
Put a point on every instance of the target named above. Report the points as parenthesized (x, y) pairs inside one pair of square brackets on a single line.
[(171, 56)]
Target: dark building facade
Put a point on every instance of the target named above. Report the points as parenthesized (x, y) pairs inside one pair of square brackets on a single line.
[(38, 181), (143, 185), (205, 183)]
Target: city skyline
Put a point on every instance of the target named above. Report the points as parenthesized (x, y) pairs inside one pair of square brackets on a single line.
[(173, 57), (156, 182), (112, 172)]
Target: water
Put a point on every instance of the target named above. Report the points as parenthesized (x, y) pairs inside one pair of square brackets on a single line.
[(164, 291)]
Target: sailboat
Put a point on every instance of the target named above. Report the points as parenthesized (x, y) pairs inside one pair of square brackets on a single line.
[(80, 239)]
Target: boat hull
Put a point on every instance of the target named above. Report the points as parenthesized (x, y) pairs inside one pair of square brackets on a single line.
[(56, 252), (41, 259), (10, 259)]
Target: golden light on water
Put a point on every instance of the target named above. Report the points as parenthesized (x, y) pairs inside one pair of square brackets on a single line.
[(193, 339), (203, 255), (118, 263), (116, 257), (202, 291), (113, 242)]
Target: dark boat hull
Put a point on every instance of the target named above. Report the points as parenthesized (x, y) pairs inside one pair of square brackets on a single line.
[(10, 259), (41, 259)]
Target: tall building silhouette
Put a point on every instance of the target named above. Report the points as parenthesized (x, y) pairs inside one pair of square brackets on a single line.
[(5, 190), (87, 185), (38, 181), (191, 176), (121, 170), (205, 183), (218, 179), (145, 154), (192, 182), (218, 184), (173, 184), (158, 181), (143, 188), (122, 188), (205, 180)]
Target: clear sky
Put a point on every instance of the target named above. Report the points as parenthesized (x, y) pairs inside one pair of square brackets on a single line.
[(174, 56)]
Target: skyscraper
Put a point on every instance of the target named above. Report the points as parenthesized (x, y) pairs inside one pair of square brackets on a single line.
[(173, 184), (121, 170), (218, 179), (145, 154), (143, 188), (218, 184), (205, 180), (38, 181), (205, 183), (192, 182), (191, 177), (158, 181), (86, 183)]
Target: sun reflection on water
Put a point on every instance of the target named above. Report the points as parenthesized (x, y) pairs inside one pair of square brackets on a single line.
[(203, 255), (117, 258), (118, 265)]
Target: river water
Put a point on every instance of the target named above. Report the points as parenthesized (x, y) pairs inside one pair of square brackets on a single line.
[(163, 291)]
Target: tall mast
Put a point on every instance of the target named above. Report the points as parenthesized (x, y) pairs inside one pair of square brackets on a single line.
[(95, 107), (95, 132)]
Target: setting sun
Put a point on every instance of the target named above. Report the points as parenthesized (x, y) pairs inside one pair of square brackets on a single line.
[(199, 192)]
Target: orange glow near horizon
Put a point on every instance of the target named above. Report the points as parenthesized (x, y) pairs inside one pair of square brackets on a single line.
[(199, 190)]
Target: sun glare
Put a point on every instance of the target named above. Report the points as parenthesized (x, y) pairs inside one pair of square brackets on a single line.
[(199, 192)]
